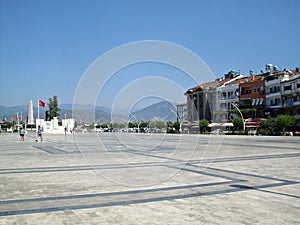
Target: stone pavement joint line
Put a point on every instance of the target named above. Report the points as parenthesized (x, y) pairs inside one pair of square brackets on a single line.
[(96, 177)]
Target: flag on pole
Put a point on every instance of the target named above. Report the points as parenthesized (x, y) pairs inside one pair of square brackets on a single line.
[(41, 103)]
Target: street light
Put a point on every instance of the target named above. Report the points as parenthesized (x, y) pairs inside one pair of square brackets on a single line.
[(244, 124)]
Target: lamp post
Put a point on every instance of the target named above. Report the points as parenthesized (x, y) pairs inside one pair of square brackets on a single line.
[(244, 124), (18, 124)]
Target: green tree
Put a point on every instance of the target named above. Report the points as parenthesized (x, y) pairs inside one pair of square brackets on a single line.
[(296, 124), (143, 124), (104, 125), (283, 121), (202, 125), (237, 123), (132, 125), (177, 126), (92, 126), (53, 107), (9, 125), (269, 125), (157, 124)]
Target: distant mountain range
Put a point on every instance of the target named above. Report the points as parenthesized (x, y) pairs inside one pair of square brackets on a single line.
[(163, 111), (159, 111)]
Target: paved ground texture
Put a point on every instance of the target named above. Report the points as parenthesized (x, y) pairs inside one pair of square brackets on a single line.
[(111, 178)]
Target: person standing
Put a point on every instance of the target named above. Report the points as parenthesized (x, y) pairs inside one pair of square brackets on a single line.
[(39, 133), (22, 133)]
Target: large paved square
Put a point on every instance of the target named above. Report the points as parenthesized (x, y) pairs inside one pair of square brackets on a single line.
[(111, 178)]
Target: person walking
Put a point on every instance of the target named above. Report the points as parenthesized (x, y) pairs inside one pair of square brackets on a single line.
[(22, 133), (39, 133)]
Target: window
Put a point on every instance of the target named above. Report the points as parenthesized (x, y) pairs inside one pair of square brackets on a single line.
[(298, 85), (289, 100), (286, 88), (271, 90), (254, 90), (248, 91)]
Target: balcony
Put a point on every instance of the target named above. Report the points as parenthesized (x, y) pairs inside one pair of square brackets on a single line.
[(272, 82), (297, 103), (273, 94), (288, 92), (235, 98), (274, 106)]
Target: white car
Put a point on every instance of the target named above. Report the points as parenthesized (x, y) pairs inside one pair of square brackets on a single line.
[(99, 130)]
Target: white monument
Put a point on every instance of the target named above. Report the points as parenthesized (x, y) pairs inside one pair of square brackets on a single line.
[(30, 114), (52, 127)]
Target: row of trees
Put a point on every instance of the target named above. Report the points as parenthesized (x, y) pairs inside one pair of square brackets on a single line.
[(279, 124), (273, 125), (270, 126), (169, 126)]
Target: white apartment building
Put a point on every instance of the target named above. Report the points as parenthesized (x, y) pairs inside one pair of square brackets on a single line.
[(273, 90), (290, 91), (182, 114), (227, 94), (282, 92)]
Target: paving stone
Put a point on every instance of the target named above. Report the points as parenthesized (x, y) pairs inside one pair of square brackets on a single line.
[(114, 178)]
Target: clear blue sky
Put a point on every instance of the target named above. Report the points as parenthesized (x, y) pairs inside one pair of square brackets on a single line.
[(45, 46)]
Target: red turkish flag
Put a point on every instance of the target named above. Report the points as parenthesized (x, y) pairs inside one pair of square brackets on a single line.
[(41, 103)]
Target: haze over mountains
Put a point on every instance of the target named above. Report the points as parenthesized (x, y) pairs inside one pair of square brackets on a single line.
[(159, 111)]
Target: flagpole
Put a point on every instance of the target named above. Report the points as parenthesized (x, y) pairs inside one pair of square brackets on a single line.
[(38, 108)]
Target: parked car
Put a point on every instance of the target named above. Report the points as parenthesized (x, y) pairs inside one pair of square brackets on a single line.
[(109, 129)]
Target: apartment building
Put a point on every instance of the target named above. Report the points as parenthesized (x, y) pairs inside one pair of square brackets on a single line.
[(266, 94), (227, 95), (211, 100), (290, 92), (200, 101), (274, 103), (252, 92), (182, 112)]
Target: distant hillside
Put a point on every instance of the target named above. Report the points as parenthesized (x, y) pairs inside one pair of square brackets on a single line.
[(102, 114), (70, 107), (8, 112), (164, 110), (159, 111)]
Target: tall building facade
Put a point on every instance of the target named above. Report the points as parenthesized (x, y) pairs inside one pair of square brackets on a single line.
[(267, 94), (290, 92), (182, 114)]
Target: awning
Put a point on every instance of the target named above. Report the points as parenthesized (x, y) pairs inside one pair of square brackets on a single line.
[(257, 101), (227, 125), (214, 125)]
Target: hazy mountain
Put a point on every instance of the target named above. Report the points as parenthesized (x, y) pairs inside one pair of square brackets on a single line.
[(163, 110), (77, 106), (8, 112), (85, 113), (101, 113)]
